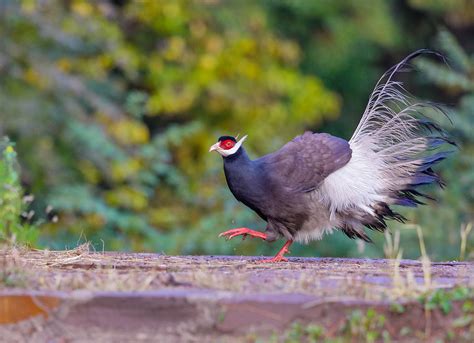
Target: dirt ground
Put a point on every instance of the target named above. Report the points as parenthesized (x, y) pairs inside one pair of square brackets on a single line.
[(83, 296)]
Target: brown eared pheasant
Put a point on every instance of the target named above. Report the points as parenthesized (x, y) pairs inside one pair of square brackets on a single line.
[(318, 183)]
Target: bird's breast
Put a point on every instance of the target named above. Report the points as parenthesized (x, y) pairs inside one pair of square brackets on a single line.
[(244, 185)]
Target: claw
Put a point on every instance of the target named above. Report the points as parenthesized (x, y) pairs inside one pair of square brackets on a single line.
[(275, 259), (279, 257), (244, 232)]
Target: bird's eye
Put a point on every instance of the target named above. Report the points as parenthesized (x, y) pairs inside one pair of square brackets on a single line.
[(227, 144)]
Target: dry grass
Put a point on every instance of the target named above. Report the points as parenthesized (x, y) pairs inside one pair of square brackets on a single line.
[(326, 280), (465, 231), (83, 269), (70, 270), (405, 284)]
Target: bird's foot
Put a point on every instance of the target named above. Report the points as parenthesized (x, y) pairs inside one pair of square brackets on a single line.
[(279, 257), (244, 232), (275, 259)]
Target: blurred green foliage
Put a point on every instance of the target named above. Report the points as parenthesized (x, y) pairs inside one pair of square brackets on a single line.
[(343, 42), (113, 105), (457, 199), (14, 218)]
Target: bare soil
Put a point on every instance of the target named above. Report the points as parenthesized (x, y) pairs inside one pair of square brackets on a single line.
[(83, 296)]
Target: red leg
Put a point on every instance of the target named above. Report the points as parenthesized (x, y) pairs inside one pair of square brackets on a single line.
[(244, 232), (279, 257)]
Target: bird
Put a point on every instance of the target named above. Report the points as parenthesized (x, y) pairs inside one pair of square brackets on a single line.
[(318, 183)]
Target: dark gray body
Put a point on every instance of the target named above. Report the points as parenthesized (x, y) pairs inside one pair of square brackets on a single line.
[(278, 186)]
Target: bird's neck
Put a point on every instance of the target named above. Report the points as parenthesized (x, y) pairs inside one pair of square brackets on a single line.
[(239, 156), (243, 178), (239, 170)]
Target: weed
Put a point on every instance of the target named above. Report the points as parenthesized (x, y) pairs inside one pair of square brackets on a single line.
[(405, 331), (391, 246), (371, 326), (310, 333), (439, 299), (450, 335), (365, 327), (465, 230), (396, 307), (468, 306), (425, 260), (463, 321), (359, 326), (442, 299), (406, 285), (12, 272), (221, 316)]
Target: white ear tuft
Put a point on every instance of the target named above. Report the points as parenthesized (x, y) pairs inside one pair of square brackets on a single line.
[(236, 147)]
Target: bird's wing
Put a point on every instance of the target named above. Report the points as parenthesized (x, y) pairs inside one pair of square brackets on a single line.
[(303, 163)]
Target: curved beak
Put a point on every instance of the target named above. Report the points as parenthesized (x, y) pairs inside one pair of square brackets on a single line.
[(214, 147)]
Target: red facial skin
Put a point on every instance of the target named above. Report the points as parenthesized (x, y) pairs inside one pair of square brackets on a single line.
[(227, 144)]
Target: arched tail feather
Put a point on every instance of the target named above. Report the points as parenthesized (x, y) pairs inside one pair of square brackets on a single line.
[(394, 149)]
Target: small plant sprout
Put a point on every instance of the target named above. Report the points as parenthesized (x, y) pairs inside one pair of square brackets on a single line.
[(407, 285), (465, 231), (425, 260), (391, 246)]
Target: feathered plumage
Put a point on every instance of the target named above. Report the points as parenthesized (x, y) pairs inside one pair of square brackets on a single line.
[(392, 155), (318, 182)]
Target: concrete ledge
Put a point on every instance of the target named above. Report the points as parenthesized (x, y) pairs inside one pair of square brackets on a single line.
[(200, 298)]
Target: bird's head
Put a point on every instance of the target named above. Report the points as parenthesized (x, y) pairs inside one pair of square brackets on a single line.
[(227, 145)]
